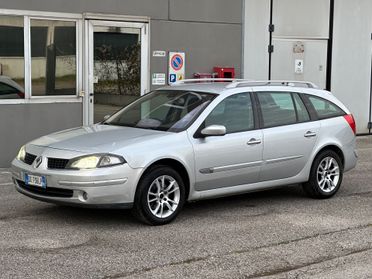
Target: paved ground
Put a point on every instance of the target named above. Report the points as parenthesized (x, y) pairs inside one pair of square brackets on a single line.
[(273, 234)]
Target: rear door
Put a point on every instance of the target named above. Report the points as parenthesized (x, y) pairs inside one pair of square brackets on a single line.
[(289, 134)]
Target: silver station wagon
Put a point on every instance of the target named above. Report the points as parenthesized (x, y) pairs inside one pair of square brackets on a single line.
[(192, 141)]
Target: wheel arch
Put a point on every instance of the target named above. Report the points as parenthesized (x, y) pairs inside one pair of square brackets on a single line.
[(176, 165), (334, 148)]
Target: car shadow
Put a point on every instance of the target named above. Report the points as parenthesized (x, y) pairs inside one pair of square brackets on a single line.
[(199, 208)]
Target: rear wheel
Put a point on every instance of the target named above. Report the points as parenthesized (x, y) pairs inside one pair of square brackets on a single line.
[(325, 176), (160, 196)]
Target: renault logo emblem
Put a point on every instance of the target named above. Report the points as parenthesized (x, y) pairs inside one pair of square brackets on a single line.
[(38, 161)]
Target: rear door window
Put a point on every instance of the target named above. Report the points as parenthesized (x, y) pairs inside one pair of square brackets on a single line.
[(324, 108), (277, 108)]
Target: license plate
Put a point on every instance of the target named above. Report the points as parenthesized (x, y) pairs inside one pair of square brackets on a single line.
[(35, 180)]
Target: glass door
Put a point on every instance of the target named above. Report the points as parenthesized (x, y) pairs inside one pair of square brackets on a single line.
[(117, 66)]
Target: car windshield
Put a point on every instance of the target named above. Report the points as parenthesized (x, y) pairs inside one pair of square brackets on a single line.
[(163, 110)]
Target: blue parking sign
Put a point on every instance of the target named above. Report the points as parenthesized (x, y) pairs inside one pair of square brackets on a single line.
[(172, 78)]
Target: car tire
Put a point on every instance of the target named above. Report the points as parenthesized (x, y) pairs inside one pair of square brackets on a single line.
[(325, 176), (160, 196)]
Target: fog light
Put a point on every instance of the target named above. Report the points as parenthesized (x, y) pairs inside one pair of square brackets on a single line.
[(85, 196)]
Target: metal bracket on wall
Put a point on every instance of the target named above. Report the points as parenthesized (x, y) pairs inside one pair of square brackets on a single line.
[(270, 48), (271, 31)]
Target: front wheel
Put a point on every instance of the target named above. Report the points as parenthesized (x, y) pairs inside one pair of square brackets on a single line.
[(160, 196), (325, 176)]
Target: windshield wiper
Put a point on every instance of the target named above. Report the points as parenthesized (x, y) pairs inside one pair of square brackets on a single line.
[(116, 124)]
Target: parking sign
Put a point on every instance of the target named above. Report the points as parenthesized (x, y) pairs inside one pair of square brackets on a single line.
[(176, 66)]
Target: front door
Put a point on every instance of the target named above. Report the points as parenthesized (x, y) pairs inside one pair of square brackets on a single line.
[(117, 66), (235, 158)]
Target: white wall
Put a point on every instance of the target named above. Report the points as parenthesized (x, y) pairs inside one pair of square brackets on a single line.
[(352, 45), (256, 39), (351, 60), (301, 18), (300, 23)]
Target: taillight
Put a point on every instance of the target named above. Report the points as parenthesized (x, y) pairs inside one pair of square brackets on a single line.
[(350, 119), (21, 95)]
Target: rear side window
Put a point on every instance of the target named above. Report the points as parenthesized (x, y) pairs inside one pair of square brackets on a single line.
[(324, 108), (277, 108)]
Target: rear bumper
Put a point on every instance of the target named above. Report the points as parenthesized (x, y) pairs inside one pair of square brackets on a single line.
[(107, 187), (351, 156)]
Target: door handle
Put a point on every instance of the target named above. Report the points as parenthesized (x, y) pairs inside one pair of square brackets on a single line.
[(309, 134), (254, 141)]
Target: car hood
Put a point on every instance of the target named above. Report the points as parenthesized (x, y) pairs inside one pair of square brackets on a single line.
[(97, 138)]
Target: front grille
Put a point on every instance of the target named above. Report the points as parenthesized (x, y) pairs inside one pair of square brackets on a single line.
[(48, 191), (29, 158), (57, 163)]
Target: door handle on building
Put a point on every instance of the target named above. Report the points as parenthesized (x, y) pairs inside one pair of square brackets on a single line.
[(254, 141)]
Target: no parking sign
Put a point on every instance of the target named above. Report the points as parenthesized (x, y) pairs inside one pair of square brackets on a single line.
[(176, 66)]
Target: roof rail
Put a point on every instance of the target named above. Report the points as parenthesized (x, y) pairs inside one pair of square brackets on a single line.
[(235, 82), (201, 80), (271, 82)]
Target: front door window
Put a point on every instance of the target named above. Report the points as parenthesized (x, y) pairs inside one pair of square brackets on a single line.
[(235, 113)]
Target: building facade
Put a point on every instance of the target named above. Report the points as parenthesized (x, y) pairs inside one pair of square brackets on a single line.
[(328, 42), (75, 61), (69, 63)]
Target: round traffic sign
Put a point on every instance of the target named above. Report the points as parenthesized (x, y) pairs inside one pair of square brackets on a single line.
[(177, 62)]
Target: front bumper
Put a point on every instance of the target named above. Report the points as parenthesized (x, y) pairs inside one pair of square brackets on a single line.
[(111, 187)]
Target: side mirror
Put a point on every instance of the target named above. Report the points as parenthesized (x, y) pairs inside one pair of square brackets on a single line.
[(107, 116), (213, 130)]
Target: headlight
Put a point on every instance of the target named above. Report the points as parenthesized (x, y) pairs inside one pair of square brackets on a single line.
[(21, 154), (95, 161)]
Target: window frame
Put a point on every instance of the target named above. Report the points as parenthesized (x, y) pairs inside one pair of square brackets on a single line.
[(296, 108), (27, 17), (291, 93), (311, 108), (256, 125)]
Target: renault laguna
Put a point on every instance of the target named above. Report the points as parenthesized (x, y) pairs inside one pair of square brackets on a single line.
[(194, 141)]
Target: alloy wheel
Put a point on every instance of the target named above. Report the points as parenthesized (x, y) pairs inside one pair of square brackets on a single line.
[(163, 196), (328, 174)]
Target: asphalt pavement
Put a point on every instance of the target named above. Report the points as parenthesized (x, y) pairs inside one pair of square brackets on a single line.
[(272, 234)]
